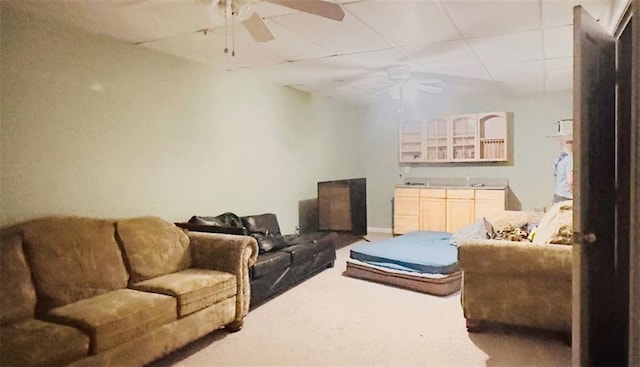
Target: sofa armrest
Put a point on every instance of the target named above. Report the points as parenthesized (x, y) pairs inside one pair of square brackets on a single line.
[(509, 257), (230, 253)]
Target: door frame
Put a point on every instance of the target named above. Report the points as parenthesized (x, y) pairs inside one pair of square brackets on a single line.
[(634, 235)]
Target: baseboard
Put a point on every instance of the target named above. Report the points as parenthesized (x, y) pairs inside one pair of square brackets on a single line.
[(379, 229)]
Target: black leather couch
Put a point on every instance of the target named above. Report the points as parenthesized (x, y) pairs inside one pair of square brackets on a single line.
[(283, 260)]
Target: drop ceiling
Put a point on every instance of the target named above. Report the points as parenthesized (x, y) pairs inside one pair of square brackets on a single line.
[(512, 46)]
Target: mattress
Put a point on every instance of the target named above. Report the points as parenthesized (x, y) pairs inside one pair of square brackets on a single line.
[(420, 252), (435, 284)]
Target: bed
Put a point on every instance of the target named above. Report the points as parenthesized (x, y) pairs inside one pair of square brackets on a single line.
[(423, 261)]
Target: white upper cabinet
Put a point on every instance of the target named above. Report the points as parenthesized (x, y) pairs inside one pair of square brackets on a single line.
[(477, 137)]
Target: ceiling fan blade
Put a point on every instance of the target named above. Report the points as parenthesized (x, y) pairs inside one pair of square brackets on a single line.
[(429, 88), (376, 94), (258, 29), (430, 81), (317, 7)]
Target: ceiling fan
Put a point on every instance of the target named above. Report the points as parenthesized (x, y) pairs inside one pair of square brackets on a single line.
[(399, 82), (242, 10), (405, 84)]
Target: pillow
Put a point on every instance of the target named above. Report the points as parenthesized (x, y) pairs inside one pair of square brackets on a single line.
[(223, 220), (555, 209), (547, 230), (564, 236), (512, 233), (264, 223), (153, 247), (480, 230)]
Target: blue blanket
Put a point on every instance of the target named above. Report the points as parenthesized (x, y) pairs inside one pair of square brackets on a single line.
[(422, 251)]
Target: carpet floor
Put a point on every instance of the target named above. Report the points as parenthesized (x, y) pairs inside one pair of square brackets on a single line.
[(334, 320)]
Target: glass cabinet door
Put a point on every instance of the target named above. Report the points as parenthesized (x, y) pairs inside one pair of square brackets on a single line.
[(437, 140), (411, 141), (464, 137)]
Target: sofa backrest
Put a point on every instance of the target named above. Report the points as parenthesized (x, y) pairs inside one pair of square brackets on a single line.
[(72, 258), (17, 292), (152, 247), (514, 218), (263, 223)]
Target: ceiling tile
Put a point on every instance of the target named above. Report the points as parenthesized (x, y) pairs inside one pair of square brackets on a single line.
[(558, 67), (453, 54), (209, 49), (517, 72), (523, 88), (382, 59), (471, 72), (485, 18), (405, 22), (268, 10), (557, 13), (516, 47), (348, 36), (291, 46), (344, 89), (559, 83), (309, 71), (558, 42)]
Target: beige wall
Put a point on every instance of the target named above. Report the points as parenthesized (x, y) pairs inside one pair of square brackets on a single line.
[(93, 126), (530, 173)]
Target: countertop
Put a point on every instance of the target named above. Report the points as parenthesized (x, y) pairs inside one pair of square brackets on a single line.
[(461, 183), (474, 187)]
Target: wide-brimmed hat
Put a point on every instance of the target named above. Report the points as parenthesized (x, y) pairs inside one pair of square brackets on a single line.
[(563, 128)]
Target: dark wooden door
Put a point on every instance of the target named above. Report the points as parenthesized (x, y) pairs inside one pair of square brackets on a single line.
[(594, 192)]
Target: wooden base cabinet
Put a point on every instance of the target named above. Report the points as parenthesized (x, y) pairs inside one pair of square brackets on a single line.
[(406, 210), (433, 208), (443, 209), (460, 208)]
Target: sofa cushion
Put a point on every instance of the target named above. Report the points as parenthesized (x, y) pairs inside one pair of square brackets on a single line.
[(307, 252), (115, 317), (153, 247), (264, 223), (269, 242), (72, 258), (269, 263), (194, 289), (18, 300), (39, 343)]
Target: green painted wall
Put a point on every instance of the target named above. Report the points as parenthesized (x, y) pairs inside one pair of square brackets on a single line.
[(93, 126)]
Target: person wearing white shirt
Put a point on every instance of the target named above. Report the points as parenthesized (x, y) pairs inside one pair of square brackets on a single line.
[(563, 170)]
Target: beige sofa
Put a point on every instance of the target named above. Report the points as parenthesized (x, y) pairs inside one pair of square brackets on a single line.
[(86, 291), (520, 283)]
